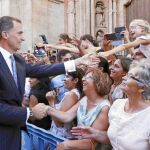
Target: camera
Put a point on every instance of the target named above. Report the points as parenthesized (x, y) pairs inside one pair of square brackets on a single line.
[(39, 52), (118, 32), (117, 35), (111, 36)]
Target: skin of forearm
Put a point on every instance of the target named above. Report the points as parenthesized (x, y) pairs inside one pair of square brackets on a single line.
[(59, 115), (84, 144), (126, 46), (117, 49), (57, 122), (102, 137), (51, 103)]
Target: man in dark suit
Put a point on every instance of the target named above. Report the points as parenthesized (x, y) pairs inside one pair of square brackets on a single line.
[(13, 71)]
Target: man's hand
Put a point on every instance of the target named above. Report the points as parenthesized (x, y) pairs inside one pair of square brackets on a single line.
[(39, 111), (88, 59)]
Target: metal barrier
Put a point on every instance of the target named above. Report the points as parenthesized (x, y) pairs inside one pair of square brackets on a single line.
[(39, 139)]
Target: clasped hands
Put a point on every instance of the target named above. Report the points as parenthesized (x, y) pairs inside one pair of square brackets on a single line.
[(40, 111)]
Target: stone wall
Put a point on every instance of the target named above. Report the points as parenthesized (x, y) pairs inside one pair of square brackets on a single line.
[(38, 17), (94, 17)]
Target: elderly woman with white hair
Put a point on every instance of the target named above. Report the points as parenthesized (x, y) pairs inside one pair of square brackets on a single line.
[(129, 119)]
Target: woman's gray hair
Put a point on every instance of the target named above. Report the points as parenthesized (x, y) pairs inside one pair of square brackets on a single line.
[(141, 71)]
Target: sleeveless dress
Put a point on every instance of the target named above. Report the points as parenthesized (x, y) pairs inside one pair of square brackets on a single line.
[(65, 130), (87, 119)]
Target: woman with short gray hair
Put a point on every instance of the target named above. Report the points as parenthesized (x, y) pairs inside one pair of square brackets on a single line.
[(129, 118), (142, 70)]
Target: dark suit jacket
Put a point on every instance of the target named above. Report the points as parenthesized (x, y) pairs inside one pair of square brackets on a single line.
[(12, 115)]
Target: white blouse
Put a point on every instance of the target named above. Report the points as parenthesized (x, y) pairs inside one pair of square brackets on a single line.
[(129, 131), (145, 49)]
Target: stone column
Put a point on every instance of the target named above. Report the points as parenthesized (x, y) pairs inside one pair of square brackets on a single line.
[(114, 13), (121, 16), (27, 25), (83, 16), (65, 16), (4, 7), (87, 16), (81, 12), (71, 17), (93, 18), (110, 17)]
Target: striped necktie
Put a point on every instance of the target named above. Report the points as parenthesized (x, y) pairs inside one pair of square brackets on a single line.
[(14, 71)]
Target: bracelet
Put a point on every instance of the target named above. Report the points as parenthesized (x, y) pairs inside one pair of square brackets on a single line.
[(31, 112)]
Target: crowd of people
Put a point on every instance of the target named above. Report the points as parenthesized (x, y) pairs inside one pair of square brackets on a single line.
[(87, 94)]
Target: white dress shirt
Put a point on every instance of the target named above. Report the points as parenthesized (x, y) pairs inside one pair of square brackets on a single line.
[(6, 56)]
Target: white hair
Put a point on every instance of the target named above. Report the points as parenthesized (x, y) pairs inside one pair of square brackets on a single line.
[(142, 23), (142, 72)]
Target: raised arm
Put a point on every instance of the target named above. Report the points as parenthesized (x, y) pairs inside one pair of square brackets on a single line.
[(125, 47), (67, 46), (68, 102)]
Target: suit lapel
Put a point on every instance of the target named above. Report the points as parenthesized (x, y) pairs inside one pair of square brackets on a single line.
[(20, 76), (6, 71)]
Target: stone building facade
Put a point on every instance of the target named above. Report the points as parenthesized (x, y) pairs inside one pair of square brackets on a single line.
[(75, 17), (95, 17), (38, 17)]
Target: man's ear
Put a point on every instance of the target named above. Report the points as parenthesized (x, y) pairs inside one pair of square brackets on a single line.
[(4, 35)]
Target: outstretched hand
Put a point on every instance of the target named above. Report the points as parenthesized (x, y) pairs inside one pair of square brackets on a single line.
[(84, 132), (88, 60)]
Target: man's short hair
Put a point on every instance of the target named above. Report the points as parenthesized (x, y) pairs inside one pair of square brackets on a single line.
[(6, 23), (62, 53)]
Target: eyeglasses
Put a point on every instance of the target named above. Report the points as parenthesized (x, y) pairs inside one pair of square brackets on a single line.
[(87, 77), (138, 81)]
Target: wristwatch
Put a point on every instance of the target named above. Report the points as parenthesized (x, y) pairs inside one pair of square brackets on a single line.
[(31, 112)]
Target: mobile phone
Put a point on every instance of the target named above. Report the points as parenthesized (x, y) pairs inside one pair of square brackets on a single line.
[(118, 31), (40, 52), (111, 36)]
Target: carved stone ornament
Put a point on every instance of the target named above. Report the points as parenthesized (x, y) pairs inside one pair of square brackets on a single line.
[(128, 2), (100, 14)]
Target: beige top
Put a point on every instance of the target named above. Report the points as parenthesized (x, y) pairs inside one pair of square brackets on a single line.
[(145, 49), (129, 131)]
